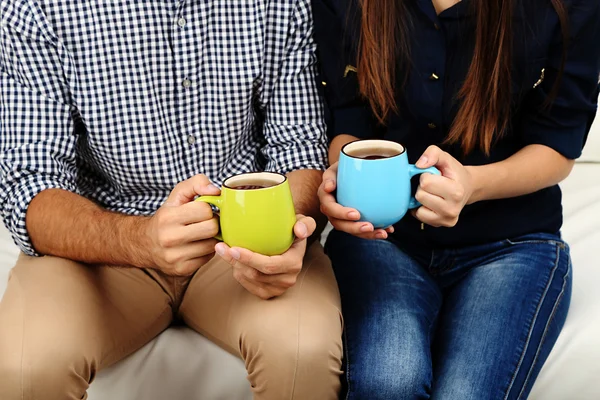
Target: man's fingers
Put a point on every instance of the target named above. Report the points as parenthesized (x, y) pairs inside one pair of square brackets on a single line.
[(265, 264), (304, 227), (261, 290), (179, 254), (224, 252), (187, 190), (192, 213), (189, 234), (284, 281), (201, 230), (188, 267)]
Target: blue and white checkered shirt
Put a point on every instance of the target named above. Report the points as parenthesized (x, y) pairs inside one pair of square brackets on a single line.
[(119, 101)]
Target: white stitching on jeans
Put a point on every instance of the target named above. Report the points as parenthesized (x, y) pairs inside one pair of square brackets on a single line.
[(537, 312), (537, 353), (347, 364)]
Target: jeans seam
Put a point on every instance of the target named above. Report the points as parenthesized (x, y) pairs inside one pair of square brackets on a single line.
[(552, 315), (347, 352), (537, 312)]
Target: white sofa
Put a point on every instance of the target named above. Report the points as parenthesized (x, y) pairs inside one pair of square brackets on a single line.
[(181, 365)]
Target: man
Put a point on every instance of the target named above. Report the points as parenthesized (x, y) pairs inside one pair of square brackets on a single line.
[(105, 107)]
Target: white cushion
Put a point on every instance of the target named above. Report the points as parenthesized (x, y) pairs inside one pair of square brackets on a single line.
[(572, 369), (591, 152), (181, 364)]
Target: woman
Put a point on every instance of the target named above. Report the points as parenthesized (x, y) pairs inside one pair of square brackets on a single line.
[(464, 298)]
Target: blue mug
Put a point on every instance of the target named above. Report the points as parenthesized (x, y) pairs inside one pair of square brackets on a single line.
[(374, 178)]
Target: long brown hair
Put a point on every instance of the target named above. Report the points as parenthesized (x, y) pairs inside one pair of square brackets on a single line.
[(485, 96)]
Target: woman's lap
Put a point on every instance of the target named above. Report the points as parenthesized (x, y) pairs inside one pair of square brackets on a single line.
[(501, 307)]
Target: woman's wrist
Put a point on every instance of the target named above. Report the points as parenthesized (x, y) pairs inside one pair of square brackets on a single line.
[(477, 184), (485, 180), (336, 146)]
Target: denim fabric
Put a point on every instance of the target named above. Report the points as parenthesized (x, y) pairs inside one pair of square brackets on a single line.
[(453, 324)]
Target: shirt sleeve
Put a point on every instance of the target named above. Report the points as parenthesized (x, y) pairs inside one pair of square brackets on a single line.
[(36, 126), (564, 125), (294, 127)]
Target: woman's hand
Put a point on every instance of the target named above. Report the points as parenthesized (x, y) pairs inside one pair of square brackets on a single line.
[(442, 197), (344, 218)]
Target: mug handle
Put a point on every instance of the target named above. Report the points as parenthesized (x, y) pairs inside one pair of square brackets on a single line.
[(412, 171), (216, 201)]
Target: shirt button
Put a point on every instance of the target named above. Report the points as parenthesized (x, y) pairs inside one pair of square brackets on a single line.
[(433, 77), (186, 83), (431, 125), (191, 139), (181, 22), (436, 26)]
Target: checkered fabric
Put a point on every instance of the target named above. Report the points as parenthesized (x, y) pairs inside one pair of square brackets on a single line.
[(120, 100)]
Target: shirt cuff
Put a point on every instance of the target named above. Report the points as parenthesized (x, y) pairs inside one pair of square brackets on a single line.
[(15, 208), (295, 147), (567, 139)]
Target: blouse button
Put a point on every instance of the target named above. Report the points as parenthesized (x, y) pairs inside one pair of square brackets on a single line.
[(431, 125)]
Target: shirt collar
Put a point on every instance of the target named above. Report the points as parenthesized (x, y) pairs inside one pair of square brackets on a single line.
[(459, 10)]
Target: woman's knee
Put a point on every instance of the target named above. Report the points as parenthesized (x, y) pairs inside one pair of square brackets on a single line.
[(410, 379)]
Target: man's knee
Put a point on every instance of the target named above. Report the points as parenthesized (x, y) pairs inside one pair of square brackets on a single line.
[(41, 363), (304, 358), (293, 340), (49, 374)]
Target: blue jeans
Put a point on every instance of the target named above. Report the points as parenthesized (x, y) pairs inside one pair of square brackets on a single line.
[(457, 324)]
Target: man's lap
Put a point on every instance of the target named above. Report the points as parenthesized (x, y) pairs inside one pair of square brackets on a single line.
[(97, 315)]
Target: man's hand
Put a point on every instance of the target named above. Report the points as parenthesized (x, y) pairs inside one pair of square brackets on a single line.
[(268, 277), (182, 231)]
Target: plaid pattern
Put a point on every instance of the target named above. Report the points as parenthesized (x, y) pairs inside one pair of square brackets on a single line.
[(120, 100)]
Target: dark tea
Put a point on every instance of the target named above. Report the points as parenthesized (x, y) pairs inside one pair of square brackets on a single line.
[(373, 153), (252, 184)]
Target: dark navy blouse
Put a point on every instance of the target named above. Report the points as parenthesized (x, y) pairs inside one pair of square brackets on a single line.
[(441, 51)]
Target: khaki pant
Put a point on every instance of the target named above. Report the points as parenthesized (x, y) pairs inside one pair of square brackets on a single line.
[(61, 322)]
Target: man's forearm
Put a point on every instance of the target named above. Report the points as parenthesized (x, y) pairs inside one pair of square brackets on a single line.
[(67, 225), (304, 185)]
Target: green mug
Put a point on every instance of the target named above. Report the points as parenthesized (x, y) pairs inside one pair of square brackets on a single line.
[(256, 212)]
